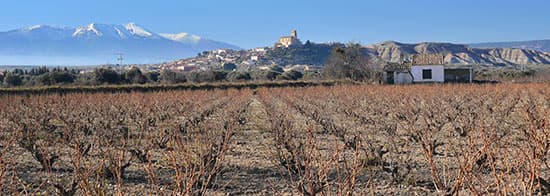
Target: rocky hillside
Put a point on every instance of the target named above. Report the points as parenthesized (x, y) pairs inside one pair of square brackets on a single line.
[(459, 54), (539, 45), (317, 54)]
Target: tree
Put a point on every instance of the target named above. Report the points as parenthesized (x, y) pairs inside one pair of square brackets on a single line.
[(18, 72), (12, 79), (267, 74), (39, 71), (106, 75), (152, 76), (291, 75), (206, 76), (135, 76), (169, 76), (229, 66), (56, 77), (350, 62), (238, 76), (307, 44), (274, 71)]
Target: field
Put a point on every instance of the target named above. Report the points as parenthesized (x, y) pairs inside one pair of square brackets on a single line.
[(338, 140)]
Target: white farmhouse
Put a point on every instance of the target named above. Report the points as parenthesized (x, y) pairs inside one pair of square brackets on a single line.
[(427, 69), (428, 73)]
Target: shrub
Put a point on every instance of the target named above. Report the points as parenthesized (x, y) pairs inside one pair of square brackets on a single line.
[(152, 76), (238, 76), (135, 76), (169, 76), (51, 78), (291, 75), (229, 66), (106, 75), (206, 76), (12, 79)]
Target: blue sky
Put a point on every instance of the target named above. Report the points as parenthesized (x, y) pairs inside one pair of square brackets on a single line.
[(253, 23)]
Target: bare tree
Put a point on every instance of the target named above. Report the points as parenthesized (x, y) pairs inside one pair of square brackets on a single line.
[(351, 61)]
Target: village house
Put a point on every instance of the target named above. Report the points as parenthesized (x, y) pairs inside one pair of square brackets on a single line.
[(187, 68)]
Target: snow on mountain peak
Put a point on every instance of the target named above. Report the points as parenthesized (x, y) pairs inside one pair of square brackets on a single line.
[(113, 31), (109, 32), (41, 27), (182, 37), (91, 29), (34, 27), (43, 31), (137, 30)]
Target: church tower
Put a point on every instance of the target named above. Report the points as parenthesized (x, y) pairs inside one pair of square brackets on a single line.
[(287, 41)]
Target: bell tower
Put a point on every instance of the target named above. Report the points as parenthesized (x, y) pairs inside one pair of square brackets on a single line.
[(294, 34)]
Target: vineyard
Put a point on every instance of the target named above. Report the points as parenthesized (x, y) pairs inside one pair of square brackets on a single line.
[(337, 140)]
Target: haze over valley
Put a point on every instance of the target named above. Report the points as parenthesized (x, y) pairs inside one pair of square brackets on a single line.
[(96, 44)]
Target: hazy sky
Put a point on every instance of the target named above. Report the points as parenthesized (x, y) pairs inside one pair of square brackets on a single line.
[(252, 23)]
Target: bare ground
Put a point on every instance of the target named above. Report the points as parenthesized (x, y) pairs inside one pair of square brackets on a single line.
[(251, 169)]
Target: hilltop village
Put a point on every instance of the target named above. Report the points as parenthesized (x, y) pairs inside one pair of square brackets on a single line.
[(289, 52)]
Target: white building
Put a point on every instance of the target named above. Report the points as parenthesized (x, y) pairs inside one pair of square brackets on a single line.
[(427, 68), (428, 73), (261, 50)]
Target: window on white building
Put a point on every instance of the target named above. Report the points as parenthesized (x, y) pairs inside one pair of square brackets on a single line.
[(426, 74)]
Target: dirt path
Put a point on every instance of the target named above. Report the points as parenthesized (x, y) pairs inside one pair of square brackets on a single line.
[(251, 170)]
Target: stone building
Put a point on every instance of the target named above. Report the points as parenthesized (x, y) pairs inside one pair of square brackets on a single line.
[(288, 41)]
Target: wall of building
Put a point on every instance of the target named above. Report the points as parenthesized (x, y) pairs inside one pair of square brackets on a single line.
[(403, 78), (438, 73), (459, 75), (287, 41)]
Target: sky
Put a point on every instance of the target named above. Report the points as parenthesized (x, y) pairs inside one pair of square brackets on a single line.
[(257, 23)]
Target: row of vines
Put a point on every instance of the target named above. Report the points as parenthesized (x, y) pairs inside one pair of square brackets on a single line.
[(339, 140), (105, 144), (451, 139)]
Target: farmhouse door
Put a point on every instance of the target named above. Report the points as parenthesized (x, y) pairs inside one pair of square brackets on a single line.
[(390, 78)]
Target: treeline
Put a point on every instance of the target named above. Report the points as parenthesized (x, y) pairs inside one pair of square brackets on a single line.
[(43, 76), (345, 62)]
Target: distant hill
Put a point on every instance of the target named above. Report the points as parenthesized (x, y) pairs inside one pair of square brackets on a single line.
[(460, 54), (316, 54), (539, 45), (98, 44)]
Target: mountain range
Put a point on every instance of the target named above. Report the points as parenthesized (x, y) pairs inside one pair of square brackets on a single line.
[(460, 54), (316, 54), (98, 44)]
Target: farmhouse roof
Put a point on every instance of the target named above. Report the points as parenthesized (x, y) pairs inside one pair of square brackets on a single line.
[(428, 59), (396, 67)]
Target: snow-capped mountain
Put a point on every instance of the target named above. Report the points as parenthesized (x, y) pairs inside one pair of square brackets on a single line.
[(98, 44), (40, 32), (182, 37), (127, 31)]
